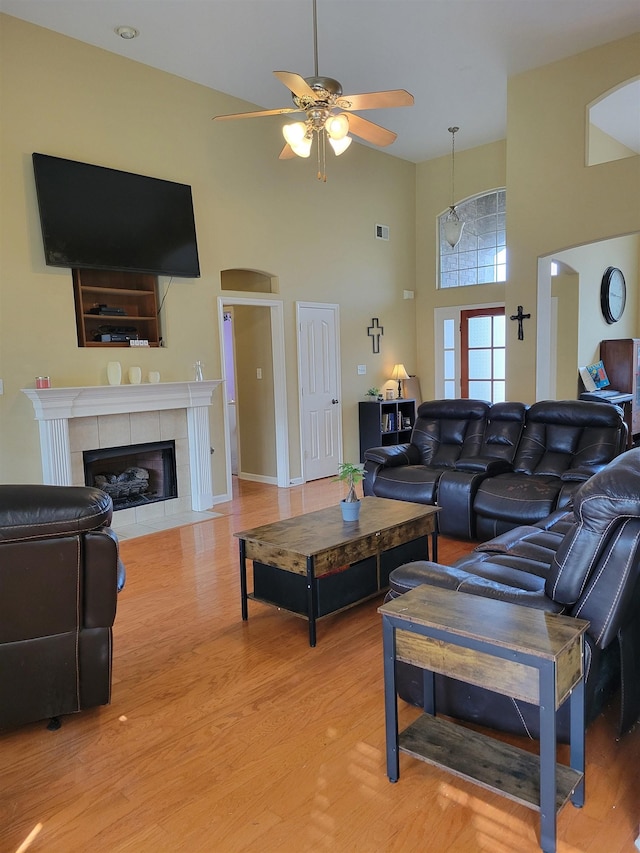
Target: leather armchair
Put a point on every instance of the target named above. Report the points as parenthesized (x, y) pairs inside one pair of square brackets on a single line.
[(583, 562), (59, 578)]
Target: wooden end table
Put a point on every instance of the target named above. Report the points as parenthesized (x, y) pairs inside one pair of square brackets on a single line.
[(297, 559), (517, 651)]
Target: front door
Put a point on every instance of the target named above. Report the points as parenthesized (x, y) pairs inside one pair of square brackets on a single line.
[(482, 362), (319, 382)]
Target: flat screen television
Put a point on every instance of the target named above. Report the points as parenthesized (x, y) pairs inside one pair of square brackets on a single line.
[(99, 218)]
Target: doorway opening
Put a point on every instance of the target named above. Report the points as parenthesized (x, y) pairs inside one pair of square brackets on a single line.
[(262, 328)]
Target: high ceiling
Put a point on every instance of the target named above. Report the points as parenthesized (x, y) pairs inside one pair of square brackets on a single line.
[(454, 56)]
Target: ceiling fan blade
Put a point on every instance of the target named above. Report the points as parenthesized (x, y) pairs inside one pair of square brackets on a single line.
[(287, 153), (258, 113), (376, 100), (297, 84), (369, 131)]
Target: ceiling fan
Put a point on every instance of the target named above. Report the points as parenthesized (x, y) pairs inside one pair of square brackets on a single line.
[(329, 114)]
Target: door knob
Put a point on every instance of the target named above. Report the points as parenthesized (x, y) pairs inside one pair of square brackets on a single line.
[(335, 401)]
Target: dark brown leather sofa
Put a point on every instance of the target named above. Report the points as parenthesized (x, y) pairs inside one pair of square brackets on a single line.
[(59, 578), (583, 562), (491, 468)]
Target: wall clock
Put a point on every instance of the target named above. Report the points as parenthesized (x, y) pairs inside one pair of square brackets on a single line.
[(613, 294)]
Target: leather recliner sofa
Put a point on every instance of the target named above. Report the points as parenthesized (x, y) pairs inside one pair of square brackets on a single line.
[(59, 577), (491, 468), (582, 562)]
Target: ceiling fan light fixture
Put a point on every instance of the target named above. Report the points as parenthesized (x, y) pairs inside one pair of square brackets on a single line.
[(340, 145), (337, 126)]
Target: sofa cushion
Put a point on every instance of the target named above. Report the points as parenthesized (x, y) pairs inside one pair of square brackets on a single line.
[(514, 498), (415, 483)]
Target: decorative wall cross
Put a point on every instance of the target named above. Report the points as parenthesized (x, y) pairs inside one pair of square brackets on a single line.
[(520, 317), (374, 331)]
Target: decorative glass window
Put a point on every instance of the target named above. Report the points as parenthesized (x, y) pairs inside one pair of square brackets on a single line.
[(481, 255)]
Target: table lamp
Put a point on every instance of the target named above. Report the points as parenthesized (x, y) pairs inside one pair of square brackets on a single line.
[(398, 374)]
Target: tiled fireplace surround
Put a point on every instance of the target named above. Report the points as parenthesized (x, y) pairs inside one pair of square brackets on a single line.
[(72, 420)]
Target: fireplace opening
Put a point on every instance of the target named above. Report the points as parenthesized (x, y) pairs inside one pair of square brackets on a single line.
[(134, 474)]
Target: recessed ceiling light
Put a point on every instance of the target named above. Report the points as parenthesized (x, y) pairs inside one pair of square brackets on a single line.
[(127, 32)]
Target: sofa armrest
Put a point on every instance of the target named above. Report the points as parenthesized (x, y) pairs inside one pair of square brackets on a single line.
[(393, 456), (580, 475), (483, 464)]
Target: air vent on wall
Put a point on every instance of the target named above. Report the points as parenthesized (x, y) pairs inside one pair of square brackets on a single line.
[(382, 232)]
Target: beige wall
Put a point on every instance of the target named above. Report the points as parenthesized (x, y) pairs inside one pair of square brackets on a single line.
[(554, 201), (590, 262), (62, 97), (252, 211), (477, 170)]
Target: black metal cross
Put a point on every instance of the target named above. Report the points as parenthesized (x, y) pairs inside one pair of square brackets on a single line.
[(520, 317), (374, 331)]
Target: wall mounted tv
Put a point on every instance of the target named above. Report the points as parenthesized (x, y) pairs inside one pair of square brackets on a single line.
[(99, 218)]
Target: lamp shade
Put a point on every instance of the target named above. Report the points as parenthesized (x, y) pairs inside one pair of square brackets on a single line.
[(398, 374)]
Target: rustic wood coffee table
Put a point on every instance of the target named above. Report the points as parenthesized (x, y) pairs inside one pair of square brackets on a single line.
[(316, 564)]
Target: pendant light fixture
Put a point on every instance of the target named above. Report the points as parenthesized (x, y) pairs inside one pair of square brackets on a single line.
[(452, 224)]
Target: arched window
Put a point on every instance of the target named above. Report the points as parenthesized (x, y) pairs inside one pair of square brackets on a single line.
[(481, 255)]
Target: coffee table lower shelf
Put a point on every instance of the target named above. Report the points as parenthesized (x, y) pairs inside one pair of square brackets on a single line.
[(499, 767)]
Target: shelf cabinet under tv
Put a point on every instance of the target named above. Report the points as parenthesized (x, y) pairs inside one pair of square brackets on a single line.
[(133, 296)]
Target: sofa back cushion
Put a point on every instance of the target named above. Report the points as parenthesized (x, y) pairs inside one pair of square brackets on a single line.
[(560, 435), (503, 431), (600, 549), (445, 430)]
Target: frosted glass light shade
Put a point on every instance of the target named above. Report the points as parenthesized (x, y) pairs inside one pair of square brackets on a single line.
[(296, 135), (340, 145), (337, 126), (453, 228)]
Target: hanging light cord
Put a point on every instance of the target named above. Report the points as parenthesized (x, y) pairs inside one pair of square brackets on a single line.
[(452, 131)]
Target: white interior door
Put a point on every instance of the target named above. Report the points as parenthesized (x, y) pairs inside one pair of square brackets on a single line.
[(319, 383)]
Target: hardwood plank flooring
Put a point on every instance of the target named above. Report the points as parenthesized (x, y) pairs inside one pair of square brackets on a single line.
[(230, 736)]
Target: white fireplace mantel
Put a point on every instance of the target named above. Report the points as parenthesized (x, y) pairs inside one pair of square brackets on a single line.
[(55, 407)]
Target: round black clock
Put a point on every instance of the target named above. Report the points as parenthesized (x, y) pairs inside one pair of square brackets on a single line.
[(613, 294)]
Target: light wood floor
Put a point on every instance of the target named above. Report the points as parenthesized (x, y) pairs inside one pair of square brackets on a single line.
[(230, 736)]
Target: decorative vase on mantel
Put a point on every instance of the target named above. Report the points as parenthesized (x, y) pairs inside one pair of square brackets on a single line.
[(114, 372)]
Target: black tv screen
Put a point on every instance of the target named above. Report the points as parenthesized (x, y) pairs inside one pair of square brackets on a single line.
[(98, 218)]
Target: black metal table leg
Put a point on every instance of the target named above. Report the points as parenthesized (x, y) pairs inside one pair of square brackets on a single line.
[(390, 699), (547, 759), (243, 581), (311, 601)]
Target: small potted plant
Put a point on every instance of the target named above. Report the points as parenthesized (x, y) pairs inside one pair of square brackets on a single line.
[(373, 394), (352, 475)]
